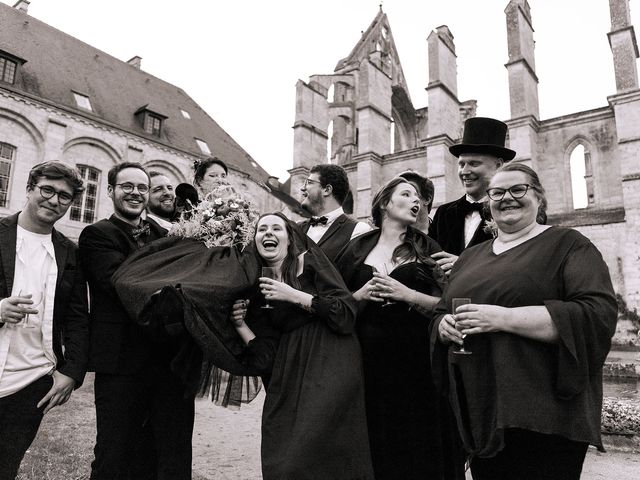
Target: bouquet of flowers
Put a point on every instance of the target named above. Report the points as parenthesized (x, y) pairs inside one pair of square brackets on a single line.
[(222, 219)]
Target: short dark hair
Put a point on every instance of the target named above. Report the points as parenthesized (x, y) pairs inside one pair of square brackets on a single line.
[(116, 169), (200, 168), (54, 170), (335, 176), (425, 186), (155, 173)]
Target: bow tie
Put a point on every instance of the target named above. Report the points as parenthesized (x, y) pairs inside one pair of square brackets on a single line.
[(468, 207), (313, 221), (136, 233)]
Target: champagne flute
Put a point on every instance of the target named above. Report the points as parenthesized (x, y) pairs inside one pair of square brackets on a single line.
[(384, 271), (25, 323), (455, 303), (269, 272)]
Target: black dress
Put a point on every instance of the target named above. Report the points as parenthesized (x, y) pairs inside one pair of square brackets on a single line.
[(411, 429), (313, 420)]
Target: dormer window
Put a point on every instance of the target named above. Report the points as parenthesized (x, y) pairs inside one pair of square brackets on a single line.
[(82, 101), (204, 148), (9, 65), (150, 120), (8, 70)]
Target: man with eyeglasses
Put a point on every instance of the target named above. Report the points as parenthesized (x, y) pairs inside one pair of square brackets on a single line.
[(44, 326), (323, 194), (460, 224), (140, 403)]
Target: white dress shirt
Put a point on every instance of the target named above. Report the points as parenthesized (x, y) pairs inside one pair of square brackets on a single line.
[(472, 220), (316, 232), (26, 353)]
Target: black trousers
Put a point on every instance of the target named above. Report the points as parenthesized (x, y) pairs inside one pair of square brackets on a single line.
[(531, 455), (19, 423), (144, 427)]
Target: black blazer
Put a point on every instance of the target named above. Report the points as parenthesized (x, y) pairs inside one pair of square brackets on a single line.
[(447, 228), (336, 236), (70, 317), (117, 344)]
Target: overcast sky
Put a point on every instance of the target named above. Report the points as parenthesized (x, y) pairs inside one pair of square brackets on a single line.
[(240, 60)]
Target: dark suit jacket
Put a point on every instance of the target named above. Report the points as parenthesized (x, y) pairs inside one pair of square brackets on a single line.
[(117, 344), (447, 228), (336, 236), (70, 318)]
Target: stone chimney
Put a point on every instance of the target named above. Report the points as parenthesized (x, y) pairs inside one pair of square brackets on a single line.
[(622, 40), (135, 62), (22, 5)]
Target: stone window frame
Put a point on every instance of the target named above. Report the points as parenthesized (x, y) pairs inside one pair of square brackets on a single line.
[(84, 207), (7, 159), (590, 185)]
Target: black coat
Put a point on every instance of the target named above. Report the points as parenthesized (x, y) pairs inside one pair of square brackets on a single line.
[(70, 318), (336, 236), (447, 228), (117, 344)]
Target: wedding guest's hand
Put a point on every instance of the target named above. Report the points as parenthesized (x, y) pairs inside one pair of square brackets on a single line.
[(15, 308), (445, 260), (447, 331), (388, 288), (473, 318), (59, 393), (275, 290), (366, 292), (238, 312)]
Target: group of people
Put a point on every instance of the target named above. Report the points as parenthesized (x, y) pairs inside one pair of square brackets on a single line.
[(401, 349)]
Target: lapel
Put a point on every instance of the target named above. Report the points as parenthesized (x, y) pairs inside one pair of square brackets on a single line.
[(456, 222), (8, 235), (61, 252), (304, 226), (335, 226)]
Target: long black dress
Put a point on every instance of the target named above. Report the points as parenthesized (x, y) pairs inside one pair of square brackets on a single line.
[(313, 420), (411, 429)]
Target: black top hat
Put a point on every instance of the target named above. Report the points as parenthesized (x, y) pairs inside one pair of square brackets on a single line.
[(484, 135)]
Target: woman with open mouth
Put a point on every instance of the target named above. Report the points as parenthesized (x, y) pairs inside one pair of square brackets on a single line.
[(396, 283), (313, 420)]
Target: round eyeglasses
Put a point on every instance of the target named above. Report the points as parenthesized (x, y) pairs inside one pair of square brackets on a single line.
[(516, 191), (48, 192), (128, 187)]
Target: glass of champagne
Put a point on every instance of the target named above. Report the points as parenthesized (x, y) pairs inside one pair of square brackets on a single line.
[(36, 304), (384, 271), (269, 272), (455, 303)]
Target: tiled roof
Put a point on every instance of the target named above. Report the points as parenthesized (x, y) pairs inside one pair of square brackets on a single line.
[(58, 64)]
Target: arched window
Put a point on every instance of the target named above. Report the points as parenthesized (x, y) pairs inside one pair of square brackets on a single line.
[(329, 141), (392, 137), (83, 208), (581, 177), (7, 155), (331, 94)]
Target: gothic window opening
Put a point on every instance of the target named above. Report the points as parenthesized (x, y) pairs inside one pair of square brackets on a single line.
[(329, 141), (581, 178), (7, 155), (83, 208), (392, 137), (331, 94)]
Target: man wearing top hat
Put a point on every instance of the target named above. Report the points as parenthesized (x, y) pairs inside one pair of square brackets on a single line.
[(460, 224)]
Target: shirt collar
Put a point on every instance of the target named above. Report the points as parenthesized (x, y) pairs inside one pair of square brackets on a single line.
[(471, 200), (331, 216)]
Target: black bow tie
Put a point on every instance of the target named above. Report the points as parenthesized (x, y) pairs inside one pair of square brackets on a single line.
[(144, 230), (313, 221), (468, 207)]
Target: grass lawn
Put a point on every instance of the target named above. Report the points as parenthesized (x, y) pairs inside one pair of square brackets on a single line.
[(63, 449)]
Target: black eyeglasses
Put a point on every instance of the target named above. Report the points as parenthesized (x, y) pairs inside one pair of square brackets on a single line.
[(48, 192), (307, 181), (128, 187), (516, 191)]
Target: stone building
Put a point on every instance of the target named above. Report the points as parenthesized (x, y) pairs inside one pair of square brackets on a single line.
[(61, 99), (361, 117)]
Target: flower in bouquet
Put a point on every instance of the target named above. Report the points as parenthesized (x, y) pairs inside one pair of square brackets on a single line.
[(224, 218)]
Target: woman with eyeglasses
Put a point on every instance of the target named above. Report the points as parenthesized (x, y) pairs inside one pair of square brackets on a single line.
[(528, 393)]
